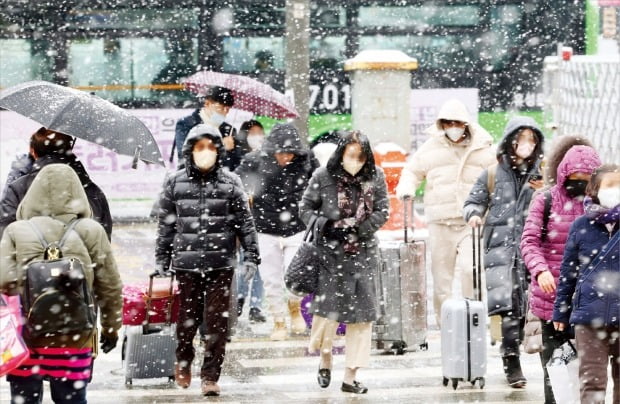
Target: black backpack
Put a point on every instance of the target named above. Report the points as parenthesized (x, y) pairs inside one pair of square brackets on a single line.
[(56, 298)]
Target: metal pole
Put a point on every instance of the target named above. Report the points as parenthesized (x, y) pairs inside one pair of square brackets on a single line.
[(297, 60)]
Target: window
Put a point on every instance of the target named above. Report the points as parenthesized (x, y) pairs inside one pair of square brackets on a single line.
[(241, 54), (24, 60), (128, 66), (420, 17), (133, 19)]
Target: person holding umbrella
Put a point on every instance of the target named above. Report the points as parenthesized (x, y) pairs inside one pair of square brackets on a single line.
[(50, 147), (217, 104)]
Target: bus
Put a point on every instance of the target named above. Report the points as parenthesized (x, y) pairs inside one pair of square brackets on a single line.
[(134, 53)]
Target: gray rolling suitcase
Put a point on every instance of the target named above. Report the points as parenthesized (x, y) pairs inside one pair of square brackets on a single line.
[(464, 332), (149, 350), (401, 289)]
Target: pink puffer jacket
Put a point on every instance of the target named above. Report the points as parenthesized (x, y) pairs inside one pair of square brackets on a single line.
[(540, 256)]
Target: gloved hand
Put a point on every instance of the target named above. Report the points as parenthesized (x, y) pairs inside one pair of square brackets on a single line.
[(161, 271), (249, 269), (108, 342)]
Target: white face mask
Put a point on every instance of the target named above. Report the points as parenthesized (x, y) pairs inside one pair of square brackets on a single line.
[(352, 166), (609, 197), (524, 150), (204, 159), (255, 141), (455, 133), (217, 119)]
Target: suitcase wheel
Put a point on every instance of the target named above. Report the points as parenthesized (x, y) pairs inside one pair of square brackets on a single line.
[(445, 381), (128, 381), (424, 346), (170, 379), (399, 347), (455, 383), (481, 382)]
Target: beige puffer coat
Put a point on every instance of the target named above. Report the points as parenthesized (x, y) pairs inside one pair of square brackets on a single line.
[(56, 197), (450, 169)]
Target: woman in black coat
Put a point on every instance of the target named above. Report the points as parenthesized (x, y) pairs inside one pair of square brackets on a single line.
[(348, 199)]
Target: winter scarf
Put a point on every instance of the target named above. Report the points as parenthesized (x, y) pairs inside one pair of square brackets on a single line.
[(355, 201), (600, 213)]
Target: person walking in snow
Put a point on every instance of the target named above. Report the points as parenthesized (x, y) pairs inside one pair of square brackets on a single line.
[(275, 178), (56, 204), (542, 246), (252, 134), (203, 211), (348, 200), (588, 293), (503, 193), (450, 161)]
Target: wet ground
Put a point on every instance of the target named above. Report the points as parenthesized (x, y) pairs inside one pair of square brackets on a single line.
[(257, 370)]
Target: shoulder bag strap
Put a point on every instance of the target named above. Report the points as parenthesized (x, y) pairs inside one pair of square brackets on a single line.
[(40, 235), (547, 198), (612, 245), (491, 173), (70, 227)]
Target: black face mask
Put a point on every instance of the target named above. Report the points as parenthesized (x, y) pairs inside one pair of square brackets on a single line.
[(575, 188)]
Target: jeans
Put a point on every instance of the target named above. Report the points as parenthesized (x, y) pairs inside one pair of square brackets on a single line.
[(258, 291), (29, 390), (551, 339)]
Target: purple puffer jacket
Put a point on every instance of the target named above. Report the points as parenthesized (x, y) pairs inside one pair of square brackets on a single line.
[(540, 256)]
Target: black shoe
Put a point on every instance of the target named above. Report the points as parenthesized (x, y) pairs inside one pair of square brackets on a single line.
[(256, 316), (240, 302), (514, 374), (356, 387), (324, 377)]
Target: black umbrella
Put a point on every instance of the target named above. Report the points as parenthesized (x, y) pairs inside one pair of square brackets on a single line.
[(82, 115)]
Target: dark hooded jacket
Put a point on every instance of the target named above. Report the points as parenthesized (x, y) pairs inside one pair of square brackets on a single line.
[(231, 158), (15, 191), (589, 292), (276, 191), (506, 209), (201, 216)]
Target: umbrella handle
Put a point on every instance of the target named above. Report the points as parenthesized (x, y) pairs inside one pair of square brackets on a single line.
[(136, 157)]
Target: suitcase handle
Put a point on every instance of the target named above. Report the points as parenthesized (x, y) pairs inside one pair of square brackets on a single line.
[(477, 261), (149, 298), (405, 217)]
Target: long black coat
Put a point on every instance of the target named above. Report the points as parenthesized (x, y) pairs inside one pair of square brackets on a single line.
[(346, 291), (507, 210), (15, 191), (201, 215)]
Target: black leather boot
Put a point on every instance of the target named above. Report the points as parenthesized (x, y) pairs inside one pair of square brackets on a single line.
[(240, 302), (514, 374)]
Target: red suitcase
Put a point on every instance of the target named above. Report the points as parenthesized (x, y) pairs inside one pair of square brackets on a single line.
[(135, 298)]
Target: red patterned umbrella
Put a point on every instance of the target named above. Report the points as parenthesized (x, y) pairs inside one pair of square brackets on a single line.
[(250, 95)]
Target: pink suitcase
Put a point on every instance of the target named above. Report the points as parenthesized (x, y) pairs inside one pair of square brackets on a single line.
[(135, 298)]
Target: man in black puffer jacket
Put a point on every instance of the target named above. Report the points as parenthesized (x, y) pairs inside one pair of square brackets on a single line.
[(203, 210), (276, 177)]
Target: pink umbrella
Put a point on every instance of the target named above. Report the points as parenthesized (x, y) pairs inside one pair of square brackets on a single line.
[(250, 95)]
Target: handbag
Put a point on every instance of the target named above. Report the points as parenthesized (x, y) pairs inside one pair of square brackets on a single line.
[(302, 275), (13, 350), (563, 370), (532, 340)]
